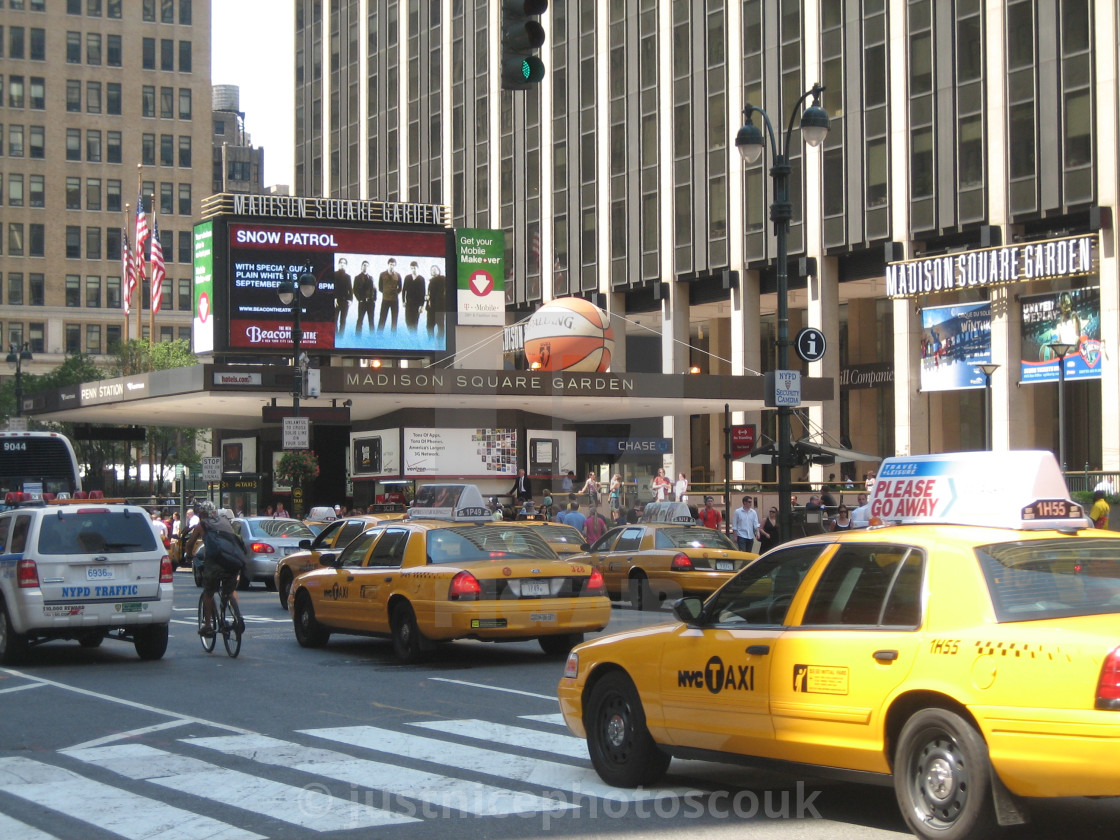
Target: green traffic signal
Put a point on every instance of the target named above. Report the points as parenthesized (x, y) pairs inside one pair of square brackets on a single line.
[(522, 36)]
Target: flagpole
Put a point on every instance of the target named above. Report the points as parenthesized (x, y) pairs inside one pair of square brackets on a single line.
[(139, 252), (152, 288), (126, 287)]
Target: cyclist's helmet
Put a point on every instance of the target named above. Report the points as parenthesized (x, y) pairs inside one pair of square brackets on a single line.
[(205, 509)]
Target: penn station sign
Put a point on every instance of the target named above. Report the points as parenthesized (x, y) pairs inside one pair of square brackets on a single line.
[(1052, 259)]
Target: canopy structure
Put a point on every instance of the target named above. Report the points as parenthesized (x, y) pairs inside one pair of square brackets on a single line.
[(807, 451)]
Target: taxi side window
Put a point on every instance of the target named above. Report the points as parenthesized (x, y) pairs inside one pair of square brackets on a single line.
[(355, 551), (19, 534), (604, 542), (327, 536), (389, 550), (762, 592), (868, 585), (348, 531), (630, 540)]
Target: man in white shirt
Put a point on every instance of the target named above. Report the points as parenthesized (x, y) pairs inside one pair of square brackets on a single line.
[(745, 524), (861, 514)]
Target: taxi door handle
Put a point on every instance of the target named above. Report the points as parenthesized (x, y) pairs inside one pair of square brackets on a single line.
[(885, 655), (758, 650), (389, 579), (349, 578)]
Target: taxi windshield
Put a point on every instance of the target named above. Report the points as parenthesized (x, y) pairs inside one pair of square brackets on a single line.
[(1054, 578), (694, 537)]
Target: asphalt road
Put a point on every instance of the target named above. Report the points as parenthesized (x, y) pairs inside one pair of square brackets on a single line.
[(342, 742)]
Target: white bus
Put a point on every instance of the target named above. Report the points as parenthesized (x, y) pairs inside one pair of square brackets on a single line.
[(40, 464)]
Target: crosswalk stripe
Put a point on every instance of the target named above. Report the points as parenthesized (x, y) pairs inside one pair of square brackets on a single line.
[(556, 719), (305, 807), (550, 775), (511, 736), (392, 780), (13, 829), (121, 812)]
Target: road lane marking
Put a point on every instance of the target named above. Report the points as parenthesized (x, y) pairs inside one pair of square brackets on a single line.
[(20, 688), (132, 733), (392, 780), (307, 807), (549, 775), (511, 736), (108, 808), (557, 719), (13, 829), (495, 688)]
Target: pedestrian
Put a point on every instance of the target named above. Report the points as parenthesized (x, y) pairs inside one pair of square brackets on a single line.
[(574, 518), (661, 486), (769, 533), (280, 512), (615, 491), (745, 524), (591, 490), (843, 521), (546, 503), (567, 483), (680, 489), (1101, 509), (709, 515), (595, 526), (522, 487)]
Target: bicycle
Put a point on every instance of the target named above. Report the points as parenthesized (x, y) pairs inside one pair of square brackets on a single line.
[(230, 625)]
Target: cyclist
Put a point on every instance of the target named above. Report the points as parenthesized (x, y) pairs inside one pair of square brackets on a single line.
[(214, 576)]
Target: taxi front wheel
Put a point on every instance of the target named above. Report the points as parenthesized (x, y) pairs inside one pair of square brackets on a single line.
[(622, 751), (943, 777), (408, 642)]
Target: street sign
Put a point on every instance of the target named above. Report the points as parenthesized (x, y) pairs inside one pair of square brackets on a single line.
[(211, 469), (810, 344), (742, 440), (782, 388), (297, 433)]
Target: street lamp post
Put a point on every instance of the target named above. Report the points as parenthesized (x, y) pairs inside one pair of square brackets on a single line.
[(988, 369), (751, 144), (1061, 350), (17, 356), (287, 292)]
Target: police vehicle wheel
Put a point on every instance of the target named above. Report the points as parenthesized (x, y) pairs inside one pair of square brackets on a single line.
[(91, 640), (285, 587), (151, 641), (13, 645), (309, 632), (561, 644), (642, 597), (407, 638), (622, 750), (943, 778)]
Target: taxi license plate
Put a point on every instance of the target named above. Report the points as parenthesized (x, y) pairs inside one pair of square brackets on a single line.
[(99, 573), (724, 566), (533, 588)]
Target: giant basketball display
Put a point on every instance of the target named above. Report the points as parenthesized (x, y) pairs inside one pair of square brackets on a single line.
[(569, 334)]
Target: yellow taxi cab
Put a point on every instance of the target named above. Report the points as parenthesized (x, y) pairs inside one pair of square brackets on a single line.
[(664, 557), (966, 651), (445, 573), (564, 539), (333, 537)]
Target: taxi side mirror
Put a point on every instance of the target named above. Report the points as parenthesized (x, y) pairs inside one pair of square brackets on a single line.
[(585, 546), (688, 610), (304, 544), (327, 559)]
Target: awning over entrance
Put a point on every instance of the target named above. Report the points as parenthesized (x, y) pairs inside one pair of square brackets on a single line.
[(234, 397)]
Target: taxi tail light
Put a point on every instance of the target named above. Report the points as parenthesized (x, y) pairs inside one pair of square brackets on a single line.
[(261, 548), (1108, 687), (166, 572), (682, 563), (595, 584), (465, 587), (27, 574)]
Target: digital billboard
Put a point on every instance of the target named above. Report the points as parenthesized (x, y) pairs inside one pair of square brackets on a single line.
[(202, 331), (376, 290)]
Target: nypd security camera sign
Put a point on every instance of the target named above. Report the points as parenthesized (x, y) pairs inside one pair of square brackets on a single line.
[(783, 388)]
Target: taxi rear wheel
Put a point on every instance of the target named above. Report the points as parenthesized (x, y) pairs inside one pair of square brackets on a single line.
[(407, 639), (943, 777), (621, 749), (309, 632)]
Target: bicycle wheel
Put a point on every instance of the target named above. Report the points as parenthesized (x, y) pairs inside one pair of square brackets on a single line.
[(207, 641), (232, 626)]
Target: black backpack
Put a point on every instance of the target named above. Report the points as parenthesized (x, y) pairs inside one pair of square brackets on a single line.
[(225, 549)]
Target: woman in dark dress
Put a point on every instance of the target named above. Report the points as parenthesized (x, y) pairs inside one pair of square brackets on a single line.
[(768, 534)]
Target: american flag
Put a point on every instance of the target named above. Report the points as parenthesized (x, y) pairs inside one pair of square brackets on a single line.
[(159, 270), (142, 236), (128, 272)]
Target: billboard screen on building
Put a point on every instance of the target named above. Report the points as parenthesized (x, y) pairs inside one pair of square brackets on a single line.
[(202, 331), (954, 340), (1071, 317), (376, 290)]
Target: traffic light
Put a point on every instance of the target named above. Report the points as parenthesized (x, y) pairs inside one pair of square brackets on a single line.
[(521, 37)]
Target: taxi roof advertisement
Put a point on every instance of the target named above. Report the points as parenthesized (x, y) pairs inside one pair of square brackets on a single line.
[(378, 290)]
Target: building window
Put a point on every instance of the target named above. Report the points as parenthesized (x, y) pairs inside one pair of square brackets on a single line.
[(73, 334), (35, 191), (166, 199), (73, 242), (36, 337), (93, 146), (36, 287), (185, 151), (15, 239), (167, 103), (167, 11), (113, 146), (184, 255), (73, 95), (15, 190), (36, 144), (148, 101), (148, 54), (113, 50), (113, 195), (185, 12), (93, 48), (15, 141), (112, 292), (15, 91), (184, 304), (113, 98), (73, 144), (93, 193), (184, 103), (184, 56), (113, 243), (184, 199), (93, 97), (15, 288), (113, 9), (73, 290), (93, 339), (93, 292), (148, 150), (73, 193), (149, 10), (166, 150), (93, 243), (36, 239), (73, 47), (166, 55), (113, 337), (93, 8), (37, 94), (38, 44)]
